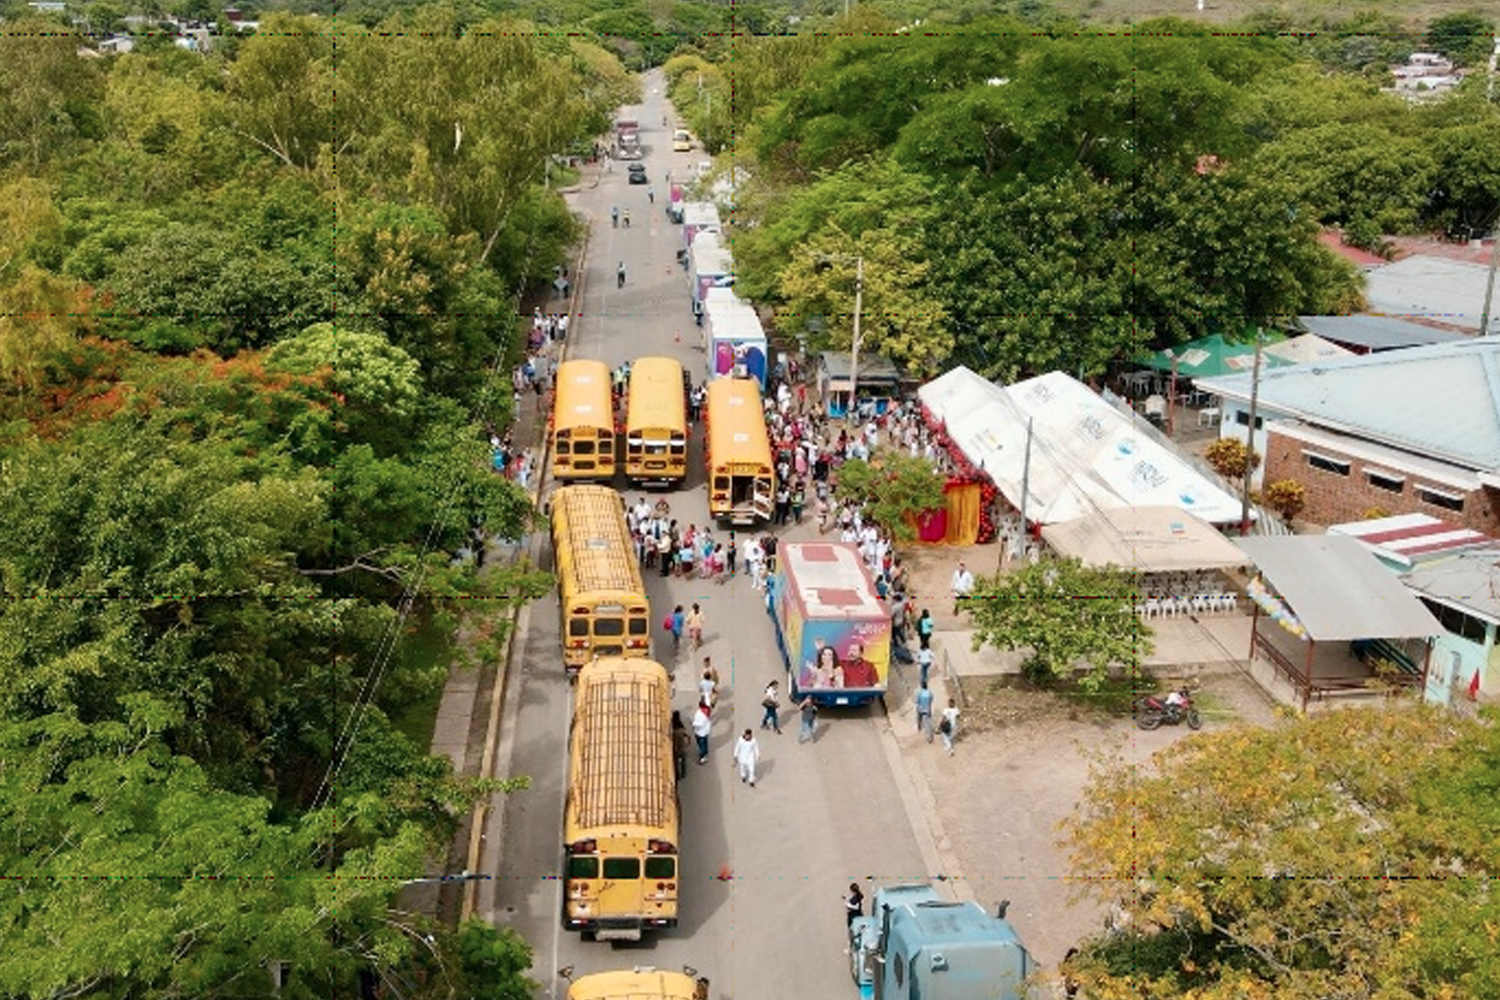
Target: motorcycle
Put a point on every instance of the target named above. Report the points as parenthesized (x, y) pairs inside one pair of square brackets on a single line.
[(1152, 711)]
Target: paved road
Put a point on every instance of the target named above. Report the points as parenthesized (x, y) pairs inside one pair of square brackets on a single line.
[(822, 815)]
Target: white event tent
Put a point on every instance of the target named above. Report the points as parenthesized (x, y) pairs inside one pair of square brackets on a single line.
[(1086, 456)]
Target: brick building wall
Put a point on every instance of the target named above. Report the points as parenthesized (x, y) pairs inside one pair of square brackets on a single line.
[(1336, 497)]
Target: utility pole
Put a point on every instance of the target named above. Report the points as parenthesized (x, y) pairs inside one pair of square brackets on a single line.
[(859, 297), (1172, 394), (1489, 285), (1250, 441)]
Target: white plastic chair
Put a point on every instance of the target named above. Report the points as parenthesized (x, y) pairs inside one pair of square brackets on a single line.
[(1153, 608)]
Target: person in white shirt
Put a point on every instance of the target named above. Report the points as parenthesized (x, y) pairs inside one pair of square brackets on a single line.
[(963, 587), (948, 728), (746, 755), (754, 562)]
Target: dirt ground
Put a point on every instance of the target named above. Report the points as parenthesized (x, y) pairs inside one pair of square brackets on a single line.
[(1022, 760)]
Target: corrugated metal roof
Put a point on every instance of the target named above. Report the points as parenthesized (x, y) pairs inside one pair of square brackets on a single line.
[(1407, 539), (1467, 580), (1338, 589), (1441, 401), (1436, 288), (1378, 333)]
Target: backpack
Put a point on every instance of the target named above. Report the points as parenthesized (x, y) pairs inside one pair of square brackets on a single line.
[(666, 623), (924, 626)]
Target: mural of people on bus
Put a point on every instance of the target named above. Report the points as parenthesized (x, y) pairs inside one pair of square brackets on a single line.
[(853, 658)]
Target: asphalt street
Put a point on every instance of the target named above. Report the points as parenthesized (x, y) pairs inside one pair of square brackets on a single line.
[(764, 869)]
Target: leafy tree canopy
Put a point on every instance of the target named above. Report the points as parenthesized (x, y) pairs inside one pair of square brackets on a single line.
[(1067, 614), (1297, 861)]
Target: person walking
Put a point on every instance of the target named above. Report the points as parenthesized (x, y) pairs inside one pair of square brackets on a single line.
[(620, 275), (799, 500), (771, 702), (651, 195), (949, 726), (664, 551), (746, 755), (924, 629), (923, 702), (783, 504), (963, 587), (681, 740), (730, 552), (614, 216), (809, 713), (854, 904), (708, 685), (702, 726), (678, 620), (625, 218), (694, 624), (924, 664)]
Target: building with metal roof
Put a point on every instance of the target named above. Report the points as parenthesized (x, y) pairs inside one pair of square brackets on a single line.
[(1396, 432), (1367, 334), (1428, 287), (1463, 592)]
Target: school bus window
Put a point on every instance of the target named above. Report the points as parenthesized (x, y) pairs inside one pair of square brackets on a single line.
[(563, 446), (622, 867), (638, 626), (660, 867), (608, 626), (583, 866), (721, 482), (583, 448), (578, 627)]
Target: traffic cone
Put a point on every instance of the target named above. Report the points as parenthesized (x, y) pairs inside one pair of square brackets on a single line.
[(725, 875)]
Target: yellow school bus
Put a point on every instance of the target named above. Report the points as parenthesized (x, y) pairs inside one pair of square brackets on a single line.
[(603, 601), (620, 820), (644, 982), (583, 423), (741, 478), (655, 422)]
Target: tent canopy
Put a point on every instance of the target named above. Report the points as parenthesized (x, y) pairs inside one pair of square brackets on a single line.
[(1085, 455), (1213, 355), (1338, 589), (1147, 539), (1307, 347)]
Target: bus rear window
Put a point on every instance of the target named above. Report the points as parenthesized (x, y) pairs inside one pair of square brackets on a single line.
[(721, 483), (583, 447), (583, 866), (622, 867), (609, 626), (658, 866), (639, 626), (578, 627)]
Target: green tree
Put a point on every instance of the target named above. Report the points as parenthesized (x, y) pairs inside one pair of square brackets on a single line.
[(1067, 615), (281, 92), (1296, 861), (49, 97), (1466, 37), (893, 488), (897, 319)]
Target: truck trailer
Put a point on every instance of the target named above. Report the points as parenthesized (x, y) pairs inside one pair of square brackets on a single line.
[(833, 632), (733, 339)]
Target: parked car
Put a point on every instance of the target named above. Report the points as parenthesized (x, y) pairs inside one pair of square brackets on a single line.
[(637, 173)]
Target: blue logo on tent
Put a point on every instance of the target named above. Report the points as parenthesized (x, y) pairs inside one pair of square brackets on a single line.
[(1126, 446)]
